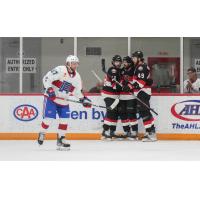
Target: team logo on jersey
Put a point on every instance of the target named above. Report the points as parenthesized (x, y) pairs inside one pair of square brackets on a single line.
[(25, 112), (113, 71), (67, 87), (140, 68), (187, 110)]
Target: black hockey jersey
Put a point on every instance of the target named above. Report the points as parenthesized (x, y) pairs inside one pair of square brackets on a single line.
[(110, 88), (141, 78), (127, 74)]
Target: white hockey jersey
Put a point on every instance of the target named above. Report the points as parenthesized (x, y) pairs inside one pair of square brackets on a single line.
[(63, 83), (195, 86)]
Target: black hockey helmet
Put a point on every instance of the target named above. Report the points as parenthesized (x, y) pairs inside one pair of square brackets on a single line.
[(127, 59), (117, 58), (138, 54)]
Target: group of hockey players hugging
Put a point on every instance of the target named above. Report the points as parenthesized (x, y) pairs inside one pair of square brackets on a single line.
[(123, 83), (135, 81)]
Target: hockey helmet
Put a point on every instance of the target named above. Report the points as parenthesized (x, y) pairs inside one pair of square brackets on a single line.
[(117, 58), (127, 59), (72, 58), (138, 54)]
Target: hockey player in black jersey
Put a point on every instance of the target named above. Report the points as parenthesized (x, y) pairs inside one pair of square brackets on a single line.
[(128, 104), (141, 86), (111, 92)]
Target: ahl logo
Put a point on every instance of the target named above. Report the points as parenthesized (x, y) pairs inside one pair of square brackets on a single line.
[(25, 112), (187, 110)]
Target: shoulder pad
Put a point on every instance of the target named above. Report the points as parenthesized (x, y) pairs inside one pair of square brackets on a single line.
[(143, 67), (60, 68)]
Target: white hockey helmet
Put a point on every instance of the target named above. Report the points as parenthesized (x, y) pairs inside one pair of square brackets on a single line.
[(72, 58)]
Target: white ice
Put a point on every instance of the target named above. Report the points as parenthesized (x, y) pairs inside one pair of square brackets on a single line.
[(16, 150)]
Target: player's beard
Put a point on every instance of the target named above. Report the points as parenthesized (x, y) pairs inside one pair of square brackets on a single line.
[(70, 69)]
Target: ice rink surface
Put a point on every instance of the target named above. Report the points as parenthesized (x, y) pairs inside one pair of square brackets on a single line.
[(95, 150)]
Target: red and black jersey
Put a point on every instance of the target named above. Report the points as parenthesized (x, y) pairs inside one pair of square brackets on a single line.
[(142, 75), (141, 79), (127, 74), (110, 88)]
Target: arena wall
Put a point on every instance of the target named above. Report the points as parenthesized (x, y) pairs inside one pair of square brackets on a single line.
[(21, 116)]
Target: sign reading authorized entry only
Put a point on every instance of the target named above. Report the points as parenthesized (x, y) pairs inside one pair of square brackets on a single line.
[(12, 65)]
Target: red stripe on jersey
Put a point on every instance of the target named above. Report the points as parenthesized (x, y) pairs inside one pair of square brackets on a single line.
[(132, 78), (125, 121), (149, 121), (141, 82), (110, 120), (137, 90), (132, 120), (111, 93), (113, 85), (62, 126), (57, 83)]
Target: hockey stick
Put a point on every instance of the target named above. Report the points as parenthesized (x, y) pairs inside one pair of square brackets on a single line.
[(144, 104), (97, 77), (74, 101), (115, 103)]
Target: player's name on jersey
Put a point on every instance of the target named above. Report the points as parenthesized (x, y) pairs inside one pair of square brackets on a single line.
[(13, 65)]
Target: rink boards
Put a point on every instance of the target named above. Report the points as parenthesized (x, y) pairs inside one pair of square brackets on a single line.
[(21, 116)]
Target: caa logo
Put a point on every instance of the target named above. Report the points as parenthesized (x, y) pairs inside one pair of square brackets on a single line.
[(187, 110), (25, 112)]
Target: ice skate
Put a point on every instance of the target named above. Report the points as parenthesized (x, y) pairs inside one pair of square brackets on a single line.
[(122, 136), (133, 136), (116, 136), (149, 137), (41, 137), (106, 136), (61, 144)]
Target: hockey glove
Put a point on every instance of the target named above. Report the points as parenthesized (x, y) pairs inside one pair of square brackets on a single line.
[(86, 102), (128, 88), (51, 93), (149, 82)]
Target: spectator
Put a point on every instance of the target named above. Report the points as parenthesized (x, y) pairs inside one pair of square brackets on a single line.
[(192, 84)]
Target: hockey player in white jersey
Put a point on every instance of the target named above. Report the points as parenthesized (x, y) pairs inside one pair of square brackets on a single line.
[(59, 83)]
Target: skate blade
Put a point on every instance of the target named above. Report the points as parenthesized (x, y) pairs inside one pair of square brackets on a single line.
[(118, 139), (63, 148), (132, 139), (106, 139), (153, 140)]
